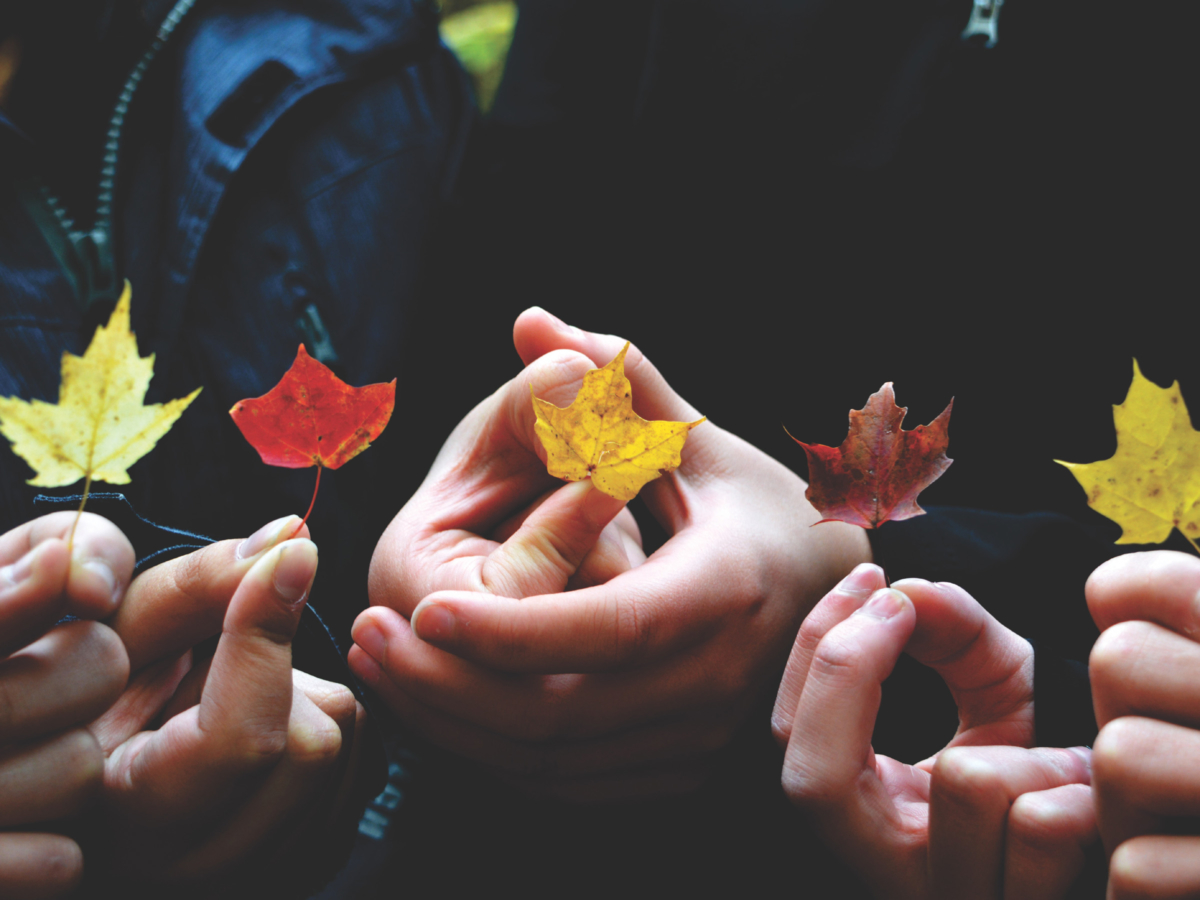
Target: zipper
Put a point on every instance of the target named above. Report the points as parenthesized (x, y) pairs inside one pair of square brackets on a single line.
[(985, 17), (87, 257)]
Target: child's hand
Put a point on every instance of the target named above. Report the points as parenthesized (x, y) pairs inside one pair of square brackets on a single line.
[(973, 821), (1145, 673), (53, 679)]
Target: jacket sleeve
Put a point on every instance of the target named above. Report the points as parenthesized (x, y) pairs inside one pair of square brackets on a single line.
[(1029, 572)]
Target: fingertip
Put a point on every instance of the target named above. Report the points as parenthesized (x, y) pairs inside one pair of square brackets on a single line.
[(534, 329), (294, 570), (266, 537), (102, 561)]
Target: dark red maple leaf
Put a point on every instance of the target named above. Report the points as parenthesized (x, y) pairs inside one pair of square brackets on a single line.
[(313, 418), (878, 471)]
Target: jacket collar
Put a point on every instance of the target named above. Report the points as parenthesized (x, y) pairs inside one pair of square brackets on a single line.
[(242, 66)]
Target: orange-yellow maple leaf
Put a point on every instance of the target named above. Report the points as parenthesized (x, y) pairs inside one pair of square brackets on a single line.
[(600, 437)]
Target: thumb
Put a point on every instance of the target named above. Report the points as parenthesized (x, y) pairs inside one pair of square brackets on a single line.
[(988, 668), (537, 333), (196, 760), (548, 547)]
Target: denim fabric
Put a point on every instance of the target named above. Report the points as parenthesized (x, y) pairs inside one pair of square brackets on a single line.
[(281, 161)]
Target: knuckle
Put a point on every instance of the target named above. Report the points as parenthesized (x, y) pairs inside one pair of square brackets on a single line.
[(1127, 869), (262, 747), (631, 628), (1118, 742), (961, 776), (316, 746), (1115, 649), (1034, 823), (836, 659)]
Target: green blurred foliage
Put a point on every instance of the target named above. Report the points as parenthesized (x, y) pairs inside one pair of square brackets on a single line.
[(480, 35)]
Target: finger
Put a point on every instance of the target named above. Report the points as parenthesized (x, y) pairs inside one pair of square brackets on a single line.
[(1143, 669), (831, 734), (618, 550), (1143, 770), (665, 741), (488, 467), (179, 603), (101, 558), (547, 549), (537, 333), (1155, 867), (851, 593), (622, 623), (333, 699), (32, 596), (988, 668), (314, 741), (68, 677), (191, 687), (38, 866), (1048, 832), (971, 792), (1157, 586), (48, 780), (234, 731), (533, 708), (140, 702)]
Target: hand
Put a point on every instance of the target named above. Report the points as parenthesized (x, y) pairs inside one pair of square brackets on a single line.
[(54, 679), (629, 686), (983, 818), (249, 753), (1145, 673)]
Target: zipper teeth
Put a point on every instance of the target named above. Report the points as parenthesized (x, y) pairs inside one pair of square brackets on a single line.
[(112, 144)]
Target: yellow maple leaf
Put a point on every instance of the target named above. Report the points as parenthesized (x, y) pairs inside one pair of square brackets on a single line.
[(99, 427), (1151, 485), (599, 436)]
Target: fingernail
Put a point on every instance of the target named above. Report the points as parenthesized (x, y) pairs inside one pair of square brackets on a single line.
[(860, 582), (104, 572), (294, 570), (371, 640), (883, 604), (265, 537), (13, 574), (433, 623)]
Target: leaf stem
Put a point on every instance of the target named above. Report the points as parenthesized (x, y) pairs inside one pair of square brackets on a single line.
[(311, 503), (87, 489)]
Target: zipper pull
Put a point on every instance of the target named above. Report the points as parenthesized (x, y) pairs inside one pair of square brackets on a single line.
[(100, 267), (985, 16)]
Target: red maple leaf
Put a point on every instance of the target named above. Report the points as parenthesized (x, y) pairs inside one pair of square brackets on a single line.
[(313, 418), (878, 471)]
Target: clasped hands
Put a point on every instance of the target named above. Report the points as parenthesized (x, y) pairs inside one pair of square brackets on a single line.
[(178, 771)]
